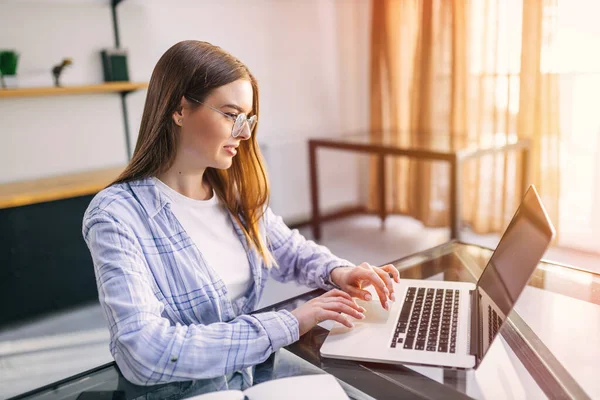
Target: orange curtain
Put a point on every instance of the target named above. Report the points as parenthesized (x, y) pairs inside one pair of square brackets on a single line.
[(449, 74)]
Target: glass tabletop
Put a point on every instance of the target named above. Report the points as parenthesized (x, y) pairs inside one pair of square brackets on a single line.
[(548, 348), (438, 142)]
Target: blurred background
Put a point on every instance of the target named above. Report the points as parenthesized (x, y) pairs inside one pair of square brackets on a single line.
[(420, 74)]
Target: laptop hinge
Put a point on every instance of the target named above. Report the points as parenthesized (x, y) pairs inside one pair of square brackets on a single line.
[(475, 327)]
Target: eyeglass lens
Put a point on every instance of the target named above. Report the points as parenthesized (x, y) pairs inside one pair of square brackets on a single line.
[(238, 126)]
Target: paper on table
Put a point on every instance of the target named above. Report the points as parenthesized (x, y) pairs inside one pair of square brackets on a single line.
[(222, 395), (312, 387)]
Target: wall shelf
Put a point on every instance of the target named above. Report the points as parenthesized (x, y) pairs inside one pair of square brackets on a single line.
[(109, 87), (59, 187)]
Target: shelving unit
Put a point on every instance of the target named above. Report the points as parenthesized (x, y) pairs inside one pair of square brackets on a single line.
[(25, 193), (109, 87), (77, 184)]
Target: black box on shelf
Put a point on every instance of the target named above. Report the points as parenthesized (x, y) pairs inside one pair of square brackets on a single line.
[(114, 65)]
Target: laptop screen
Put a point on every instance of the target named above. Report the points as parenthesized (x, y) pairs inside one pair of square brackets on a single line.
[(521, 248)]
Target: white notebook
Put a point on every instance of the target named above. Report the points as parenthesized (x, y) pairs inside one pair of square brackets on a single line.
[(314, 387)]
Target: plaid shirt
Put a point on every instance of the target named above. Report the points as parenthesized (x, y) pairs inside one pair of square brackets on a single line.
[(169, 315)]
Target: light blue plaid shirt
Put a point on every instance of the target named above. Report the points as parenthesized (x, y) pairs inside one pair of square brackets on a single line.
[(168, 312)]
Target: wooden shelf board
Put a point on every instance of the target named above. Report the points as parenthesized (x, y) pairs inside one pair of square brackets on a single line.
[(56, 188), (109, 87)]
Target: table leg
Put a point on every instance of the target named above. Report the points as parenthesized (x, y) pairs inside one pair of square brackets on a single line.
[(314, 191), (382, 191), (455, 198), (525, 171)]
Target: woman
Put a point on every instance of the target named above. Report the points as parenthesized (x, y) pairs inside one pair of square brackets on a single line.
[(184, 241)]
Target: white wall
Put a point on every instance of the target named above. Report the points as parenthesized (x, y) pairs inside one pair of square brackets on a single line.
[(310, 57)]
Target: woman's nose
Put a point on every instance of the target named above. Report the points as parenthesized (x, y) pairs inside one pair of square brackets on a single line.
[(244, 133)]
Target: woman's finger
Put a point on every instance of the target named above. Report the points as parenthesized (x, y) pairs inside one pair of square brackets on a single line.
[(339, 306), (384, 275), (336, 293), (371, 276), (392, 270), (349, 303), (324, 315), (360, 293)]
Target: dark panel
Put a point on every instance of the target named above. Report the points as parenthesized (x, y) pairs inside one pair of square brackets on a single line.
[(45, 265)]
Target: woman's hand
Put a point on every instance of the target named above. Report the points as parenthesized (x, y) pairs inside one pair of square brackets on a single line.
[(353, 280), (329, 306)]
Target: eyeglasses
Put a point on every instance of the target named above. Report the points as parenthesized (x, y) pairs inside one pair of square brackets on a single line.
[(238, 121)]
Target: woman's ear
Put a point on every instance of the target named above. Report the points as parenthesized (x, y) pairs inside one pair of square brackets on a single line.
[(178, 114)]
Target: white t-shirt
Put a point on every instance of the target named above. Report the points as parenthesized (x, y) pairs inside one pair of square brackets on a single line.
[(209, 225)]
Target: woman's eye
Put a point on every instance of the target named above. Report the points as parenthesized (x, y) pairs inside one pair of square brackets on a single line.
[(231, 115)]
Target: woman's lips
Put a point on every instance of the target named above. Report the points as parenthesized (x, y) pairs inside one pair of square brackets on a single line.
[(231, 150)]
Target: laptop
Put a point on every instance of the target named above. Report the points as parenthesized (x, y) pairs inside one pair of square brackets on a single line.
[(449, 324)]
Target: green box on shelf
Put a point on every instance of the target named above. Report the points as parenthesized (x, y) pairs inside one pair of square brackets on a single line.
[(114, 65)]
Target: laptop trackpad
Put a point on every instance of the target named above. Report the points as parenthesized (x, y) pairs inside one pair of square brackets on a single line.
[(374, 314)]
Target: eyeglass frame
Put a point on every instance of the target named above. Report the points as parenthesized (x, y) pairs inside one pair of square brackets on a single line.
[(251, 122)]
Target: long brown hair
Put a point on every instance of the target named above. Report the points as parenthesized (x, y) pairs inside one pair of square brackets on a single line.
[(193, 68)]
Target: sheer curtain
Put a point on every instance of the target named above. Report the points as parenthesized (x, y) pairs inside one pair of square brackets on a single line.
[(576, 62), (451, 74)]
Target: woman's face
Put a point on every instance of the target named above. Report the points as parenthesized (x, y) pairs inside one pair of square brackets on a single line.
[(206, 139)]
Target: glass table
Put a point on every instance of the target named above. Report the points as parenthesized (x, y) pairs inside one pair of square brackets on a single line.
[(549, 346)]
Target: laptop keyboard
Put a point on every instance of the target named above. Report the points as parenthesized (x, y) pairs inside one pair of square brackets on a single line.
[(494, 323), (429, 319)]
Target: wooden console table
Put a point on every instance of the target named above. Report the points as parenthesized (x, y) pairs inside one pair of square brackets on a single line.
[(382, 148)]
